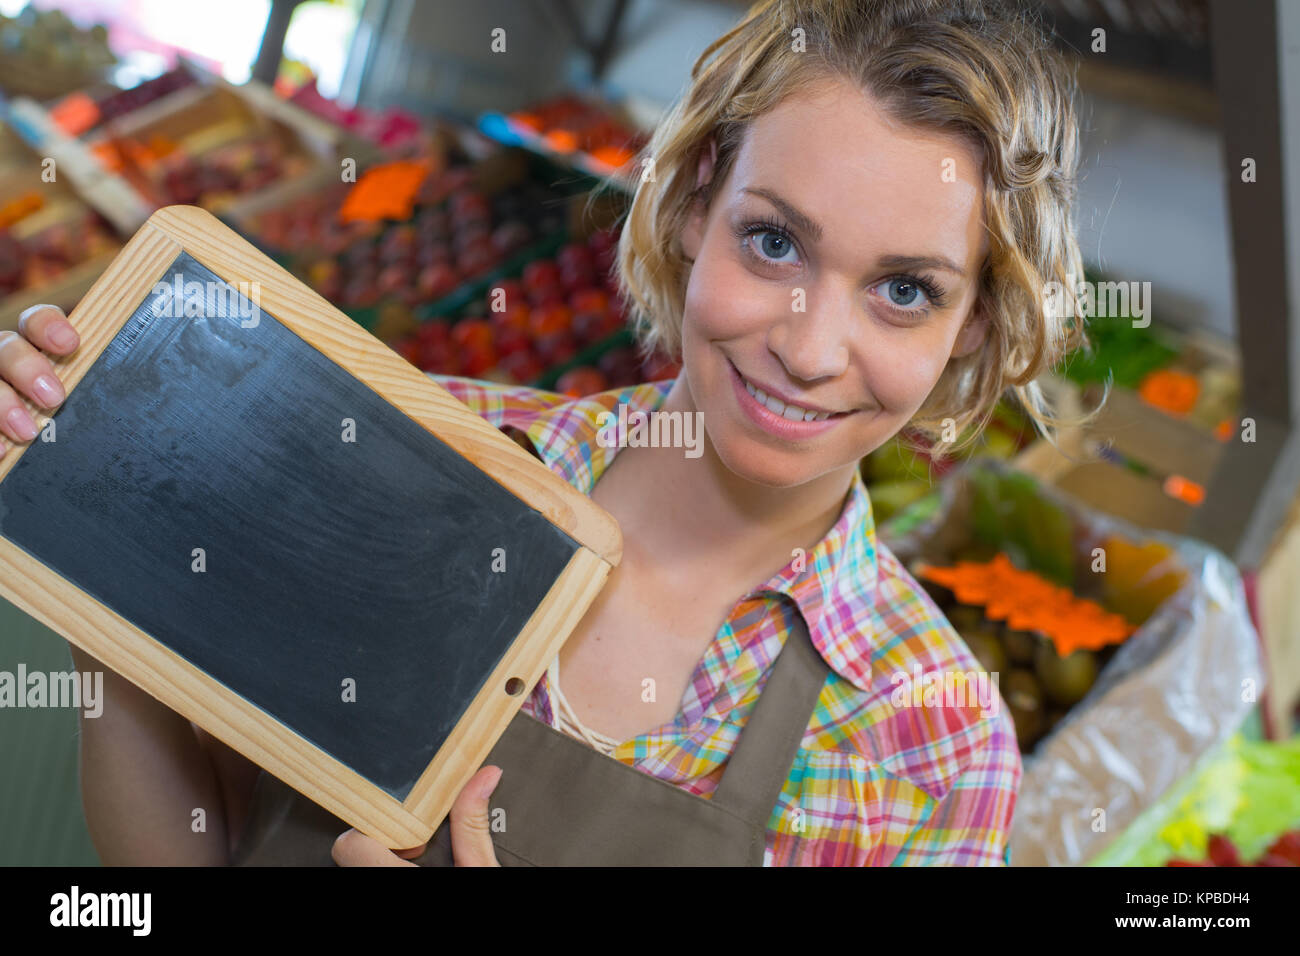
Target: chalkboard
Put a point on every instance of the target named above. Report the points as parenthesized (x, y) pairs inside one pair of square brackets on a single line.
[(243, 500)]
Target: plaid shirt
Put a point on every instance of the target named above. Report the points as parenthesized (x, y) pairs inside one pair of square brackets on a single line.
[(886, 773)]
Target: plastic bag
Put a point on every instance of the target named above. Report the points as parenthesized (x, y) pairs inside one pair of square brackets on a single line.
[(1176, 689)]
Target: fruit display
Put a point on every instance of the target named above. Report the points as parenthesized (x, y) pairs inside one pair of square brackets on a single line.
[(114, 105), (425, 258), (390, 129), (165, 173), (457, 233), (211, 144), (223, 174), (1008, 567), (41, 258), (540, 320), (618, 366), (81, 112), (1047, 645), (44, 55), (585, 133)]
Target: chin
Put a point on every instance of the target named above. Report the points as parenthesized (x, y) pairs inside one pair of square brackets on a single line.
[(762, 466), (762, 463)]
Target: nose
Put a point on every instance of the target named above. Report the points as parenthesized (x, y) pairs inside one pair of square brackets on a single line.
[(814, 344)]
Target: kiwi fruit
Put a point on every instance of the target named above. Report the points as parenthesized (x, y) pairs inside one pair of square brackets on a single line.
[(1024, 697), (983, 643), (1065, 679), (1020, 646), (965, 619)]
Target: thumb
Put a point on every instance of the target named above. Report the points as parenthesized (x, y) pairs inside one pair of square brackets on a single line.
[(471, 833)]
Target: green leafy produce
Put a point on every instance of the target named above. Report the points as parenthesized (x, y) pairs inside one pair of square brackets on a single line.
[(1249, 790), (1008, 514), (1118, 349)]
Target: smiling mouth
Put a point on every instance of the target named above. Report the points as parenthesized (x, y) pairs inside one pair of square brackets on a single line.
[(789, 411)]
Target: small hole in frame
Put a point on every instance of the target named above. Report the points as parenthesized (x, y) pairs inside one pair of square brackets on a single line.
[(514, 686)]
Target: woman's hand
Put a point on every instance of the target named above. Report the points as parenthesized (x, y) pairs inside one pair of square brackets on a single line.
[(25, 369), (471, 835)]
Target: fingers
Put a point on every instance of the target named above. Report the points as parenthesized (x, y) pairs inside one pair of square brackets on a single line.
[(26, 371), (15, 421), (29, 371), (471, 832), (354, 848), (46, 327), (412, 853)]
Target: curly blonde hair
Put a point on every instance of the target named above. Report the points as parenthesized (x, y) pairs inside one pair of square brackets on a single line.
[(979, 69)]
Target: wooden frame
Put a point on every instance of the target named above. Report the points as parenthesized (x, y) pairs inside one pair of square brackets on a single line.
[(189, 691)]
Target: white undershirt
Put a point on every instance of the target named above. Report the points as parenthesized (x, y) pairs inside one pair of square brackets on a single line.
[(566, 720)]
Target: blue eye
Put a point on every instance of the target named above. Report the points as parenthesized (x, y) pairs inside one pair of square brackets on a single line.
[(774, 242), (903, 292), (774, 245), (911, 293)]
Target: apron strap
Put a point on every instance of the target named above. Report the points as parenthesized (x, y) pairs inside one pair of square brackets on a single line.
[(758, 768)]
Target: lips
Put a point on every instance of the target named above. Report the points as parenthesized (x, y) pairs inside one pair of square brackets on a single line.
[(793, 412), (780, 405), (777, 417)]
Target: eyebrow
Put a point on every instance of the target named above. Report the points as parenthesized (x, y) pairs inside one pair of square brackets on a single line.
[(807, 225)]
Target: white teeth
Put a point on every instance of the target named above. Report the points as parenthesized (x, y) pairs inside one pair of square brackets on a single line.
[(792, 412)]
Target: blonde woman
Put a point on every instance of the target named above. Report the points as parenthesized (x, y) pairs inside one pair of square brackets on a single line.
[(847, 227)]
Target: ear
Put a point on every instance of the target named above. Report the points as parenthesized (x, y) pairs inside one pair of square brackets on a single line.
[(693, 232), (972, 334)]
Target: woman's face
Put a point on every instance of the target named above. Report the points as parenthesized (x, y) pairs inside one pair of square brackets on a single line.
[(835, 270)]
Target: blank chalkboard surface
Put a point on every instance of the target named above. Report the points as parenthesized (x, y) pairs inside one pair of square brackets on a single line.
[(263, 517)]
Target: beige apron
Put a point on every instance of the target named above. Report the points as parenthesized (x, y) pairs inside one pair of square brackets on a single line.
[(566, 804)]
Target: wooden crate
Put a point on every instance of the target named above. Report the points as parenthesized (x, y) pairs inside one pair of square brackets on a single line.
[(1145, 435), (61, 205), (208, 115)]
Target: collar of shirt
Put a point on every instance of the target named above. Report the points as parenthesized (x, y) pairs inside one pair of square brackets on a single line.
[(833, 585)]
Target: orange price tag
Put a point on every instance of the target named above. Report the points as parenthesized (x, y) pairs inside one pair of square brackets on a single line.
[(1185, 490), (75, 113), (385, 192)]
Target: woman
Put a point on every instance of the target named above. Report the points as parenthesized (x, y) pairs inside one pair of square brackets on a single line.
[(846, 228)]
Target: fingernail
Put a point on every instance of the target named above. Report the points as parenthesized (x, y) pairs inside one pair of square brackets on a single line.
[(21, 423), (490, 784), (47, 390), (23, 315), (62, 335)]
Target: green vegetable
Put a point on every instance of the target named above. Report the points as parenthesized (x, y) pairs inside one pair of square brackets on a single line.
[(1009, 514)]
